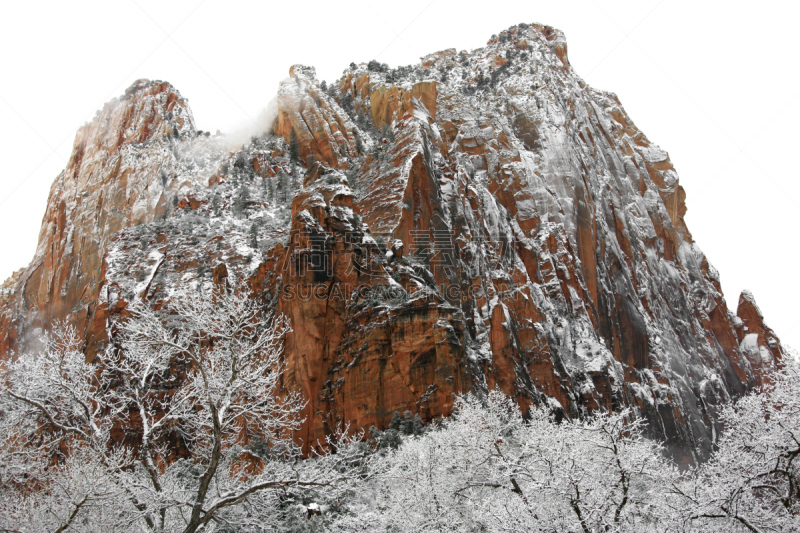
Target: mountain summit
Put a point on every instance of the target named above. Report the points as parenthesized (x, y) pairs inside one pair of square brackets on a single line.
[(481, 220)]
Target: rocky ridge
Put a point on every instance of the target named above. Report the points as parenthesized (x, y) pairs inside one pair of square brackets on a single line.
[(479, 220)]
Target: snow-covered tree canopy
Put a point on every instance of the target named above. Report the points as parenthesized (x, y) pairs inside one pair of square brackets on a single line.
[(184, 425)]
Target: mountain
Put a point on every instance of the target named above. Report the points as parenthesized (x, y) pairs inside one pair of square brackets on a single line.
[(476, 221)]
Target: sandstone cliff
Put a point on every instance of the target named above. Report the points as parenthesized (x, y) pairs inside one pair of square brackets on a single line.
[(480, 220), (124, 170)]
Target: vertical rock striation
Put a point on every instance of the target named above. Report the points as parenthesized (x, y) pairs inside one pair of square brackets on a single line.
[(122, 171), (480, 220)]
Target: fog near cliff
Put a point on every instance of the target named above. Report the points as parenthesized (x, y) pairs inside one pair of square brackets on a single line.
[(252, 127), (711, 85)]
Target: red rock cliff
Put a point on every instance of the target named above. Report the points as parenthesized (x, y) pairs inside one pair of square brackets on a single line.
[(121, 172), (480, 220)]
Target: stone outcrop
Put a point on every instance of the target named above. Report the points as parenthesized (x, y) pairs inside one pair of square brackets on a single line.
[(324, 133), (481, 220), (122, 171), (758, 343)]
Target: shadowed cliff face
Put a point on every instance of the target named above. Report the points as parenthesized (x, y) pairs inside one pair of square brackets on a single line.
[(480, 220)]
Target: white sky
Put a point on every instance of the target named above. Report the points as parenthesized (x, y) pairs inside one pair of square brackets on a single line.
[(714, 83)]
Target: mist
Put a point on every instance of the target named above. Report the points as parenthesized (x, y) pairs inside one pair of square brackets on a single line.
[(253, 126)]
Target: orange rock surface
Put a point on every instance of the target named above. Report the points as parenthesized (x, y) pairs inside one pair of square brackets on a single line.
[(481, 220)]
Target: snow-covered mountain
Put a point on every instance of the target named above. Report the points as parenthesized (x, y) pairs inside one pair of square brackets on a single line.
[(479, 220)]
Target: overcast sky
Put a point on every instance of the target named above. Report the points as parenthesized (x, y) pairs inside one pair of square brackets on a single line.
[(715, 86)]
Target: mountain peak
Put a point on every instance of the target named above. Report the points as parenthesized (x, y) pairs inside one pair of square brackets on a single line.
[(480, 220)]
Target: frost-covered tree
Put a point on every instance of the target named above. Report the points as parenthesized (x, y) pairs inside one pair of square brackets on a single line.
[(182, 426), (752, 482), (54, 467), (488, 469)]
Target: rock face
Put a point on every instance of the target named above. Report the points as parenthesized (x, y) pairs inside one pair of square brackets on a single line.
[(481, 220), (123, 171), (758, 342)]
